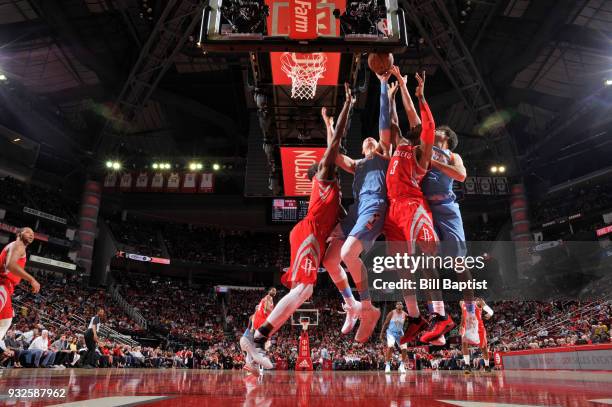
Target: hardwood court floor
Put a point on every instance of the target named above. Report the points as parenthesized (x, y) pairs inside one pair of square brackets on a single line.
[(182, 388)]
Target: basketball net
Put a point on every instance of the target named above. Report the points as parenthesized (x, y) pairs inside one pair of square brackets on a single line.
[(305, 70)]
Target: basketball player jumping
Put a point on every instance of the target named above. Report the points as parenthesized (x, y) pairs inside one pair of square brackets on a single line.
[(307, 239), (394, 324), (409, 218), (481, 306), (446, 167), (12, 264), (363, 223)]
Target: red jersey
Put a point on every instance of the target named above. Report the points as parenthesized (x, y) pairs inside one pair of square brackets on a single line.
[(324, 205), (261, 315), (404, 174), (5, 275)]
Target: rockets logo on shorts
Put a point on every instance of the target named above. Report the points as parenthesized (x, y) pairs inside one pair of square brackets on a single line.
[(307, 257)]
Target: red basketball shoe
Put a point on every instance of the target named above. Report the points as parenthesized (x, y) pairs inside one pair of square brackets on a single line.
[(438, 325), (415, 325)]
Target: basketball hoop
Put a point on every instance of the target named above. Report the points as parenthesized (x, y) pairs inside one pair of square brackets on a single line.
[(305, 70), (304, 322)]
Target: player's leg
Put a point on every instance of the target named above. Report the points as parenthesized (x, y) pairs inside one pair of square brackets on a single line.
[(484, 346), (331, 262), (404, 353), (396, 243), (465, 350), (5, 297), (6, 315), (420, 229), (389, 351)]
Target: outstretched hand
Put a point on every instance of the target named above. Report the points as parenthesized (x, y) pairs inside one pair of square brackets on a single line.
[(328, 120), (349, 94), (392, 89), (384, 77), (420, 89), (395, 71)]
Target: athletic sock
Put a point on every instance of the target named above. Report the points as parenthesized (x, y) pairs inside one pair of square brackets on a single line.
[(437, 307), (486, 362), (347, 294), (261, 335), (470, 307), (412, 307), (364, 295), (466, 359)]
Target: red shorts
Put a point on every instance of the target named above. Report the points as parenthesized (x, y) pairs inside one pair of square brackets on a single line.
[(258, 319), (409, 220), (307, 240), (6, 292)]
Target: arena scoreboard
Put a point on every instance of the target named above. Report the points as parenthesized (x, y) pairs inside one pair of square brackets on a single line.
[(288, 210)]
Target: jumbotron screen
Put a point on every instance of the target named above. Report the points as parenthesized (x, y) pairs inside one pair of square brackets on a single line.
[(288, 210)]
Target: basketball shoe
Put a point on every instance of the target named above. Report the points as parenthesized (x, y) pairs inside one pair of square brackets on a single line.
[(438, 326), (352, 315), (369, 317), (415, 325)]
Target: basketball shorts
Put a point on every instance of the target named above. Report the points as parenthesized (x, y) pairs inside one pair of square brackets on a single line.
[(307, 240), (449, 228), (394, 337), (365, 221), (482, 334), (6, 303), (409, 221)]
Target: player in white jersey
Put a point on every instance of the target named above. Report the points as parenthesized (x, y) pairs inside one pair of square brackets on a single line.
[(394, 328)]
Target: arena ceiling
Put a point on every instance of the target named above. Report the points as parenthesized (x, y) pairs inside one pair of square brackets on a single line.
[(66, 62)]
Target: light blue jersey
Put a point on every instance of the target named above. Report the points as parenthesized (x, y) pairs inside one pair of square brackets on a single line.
[(438, 190), (366, 216), (369, 179)]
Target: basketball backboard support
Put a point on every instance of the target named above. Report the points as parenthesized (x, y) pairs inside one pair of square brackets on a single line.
[(242, 32), (311, 314)]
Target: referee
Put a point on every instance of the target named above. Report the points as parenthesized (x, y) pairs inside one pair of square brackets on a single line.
[(91, 339)]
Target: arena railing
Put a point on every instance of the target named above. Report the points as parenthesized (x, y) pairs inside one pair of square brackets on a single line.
[(129, 309), (60, 326)]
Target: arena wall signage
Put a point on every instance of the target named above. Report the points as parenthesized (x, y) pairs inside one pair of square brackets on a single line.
[(296, 161), (482, 186), (44, 215), (143, 258), (53, 262), (13, 229), (187, 182), (584, 357), (604, 231)]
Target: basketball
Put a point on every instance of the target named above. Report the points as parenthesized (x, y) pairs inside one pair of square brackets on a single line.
[(380, 63)]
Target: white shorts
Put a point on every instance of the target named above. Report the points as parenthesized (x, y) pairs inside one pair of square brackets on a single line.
[(394, 338)]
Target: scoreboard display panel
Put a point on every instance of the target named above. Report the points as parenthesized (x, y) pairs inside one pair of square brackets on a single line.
[(288, 210)]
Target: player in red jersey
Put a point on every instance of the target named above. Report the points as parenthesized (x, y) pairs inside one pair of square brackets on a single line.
[(481, 306), (308, 239), (409, 219), (264, 308), (12, 263)]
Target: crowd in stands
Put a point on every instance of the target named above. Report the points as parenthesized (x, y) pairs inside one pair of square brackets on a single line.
[(201, 244), (53, 202), (584, 199), (209, 325)]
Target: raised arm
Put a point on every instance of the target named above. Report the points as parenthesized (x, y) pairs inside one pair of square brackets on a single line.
[(384, 118), (428, 125), (411, 113), (456, 170), (396, 133), (329, 157), (15, 252), (342, 161)]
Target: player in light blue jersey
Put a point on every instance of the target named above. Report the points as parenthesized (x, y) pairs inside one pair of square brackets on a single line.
[(437, 186), (394, 324), (364, 222)]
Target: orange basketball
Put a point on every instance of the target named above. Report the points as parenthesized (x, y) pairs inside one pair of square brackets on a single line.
[(380, 63)]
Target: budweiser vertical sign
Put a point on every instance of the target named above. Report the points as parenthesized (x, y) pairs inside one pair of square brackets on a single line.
[(296, 162), (303, 19)]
